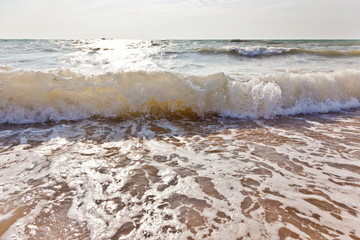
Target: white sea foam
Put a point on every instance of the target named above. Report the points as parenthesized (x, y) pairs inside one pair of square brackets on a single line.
[(258, 51), (239, 179)]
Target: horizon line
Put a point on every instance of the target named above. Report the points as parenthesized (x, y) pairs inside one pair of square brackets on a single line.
[(196, 39)]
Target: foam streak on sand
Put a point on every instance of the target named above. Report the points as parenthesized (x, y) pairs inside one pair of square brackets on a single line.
[(178, 179), (30, 96)]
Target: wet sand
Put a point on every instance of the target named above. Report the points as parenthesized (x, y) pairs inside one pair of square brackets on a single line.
[(182, 178)]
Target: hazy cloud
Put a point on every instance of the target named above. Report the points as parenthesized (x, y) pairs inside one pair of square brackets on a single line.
[(179, 19)]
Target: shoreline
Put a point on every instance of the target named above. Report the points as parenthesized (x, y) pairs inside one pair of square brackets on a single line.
[(183, 179)]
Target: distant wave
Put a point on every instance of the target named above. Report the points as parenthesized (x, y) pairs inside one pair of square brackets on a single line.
[(240, 40), (32, 96), (272, 51), (328, 53), (254, 41)]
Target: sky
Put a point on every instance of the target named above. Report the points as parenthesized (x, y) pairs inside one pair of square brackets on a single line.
[(180, 19)]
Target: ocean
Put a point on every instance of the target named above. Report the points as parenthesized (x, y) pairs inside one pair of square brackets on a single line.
[(180, 139)]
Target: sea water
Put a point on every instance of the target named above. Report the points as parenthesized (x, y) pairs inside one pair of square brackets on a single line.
[(179, 139)]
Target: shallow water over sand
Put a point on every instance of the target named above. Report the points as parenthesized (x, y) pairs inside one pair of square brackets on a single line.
[(200, 178)]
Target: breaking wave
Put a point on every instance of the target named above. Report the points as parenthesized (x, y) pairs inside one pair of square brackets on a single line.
[(272, 51), (33, 96)]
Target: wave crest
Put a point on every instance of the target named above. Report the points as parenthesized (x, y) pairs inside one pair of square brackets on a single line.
[(273, 51), (30, 96)]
